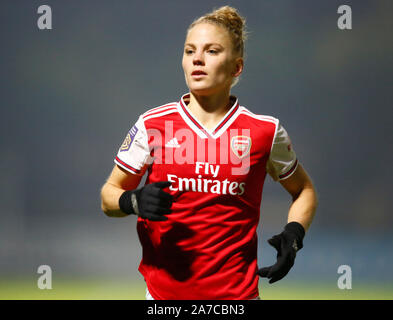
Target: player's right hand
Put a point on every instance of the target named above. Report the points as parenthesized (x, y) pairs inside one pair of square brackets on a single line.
[(149, 202)]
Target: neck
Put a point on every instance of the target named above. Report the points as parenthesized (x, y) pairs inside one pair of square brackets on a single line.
[(209, 109)]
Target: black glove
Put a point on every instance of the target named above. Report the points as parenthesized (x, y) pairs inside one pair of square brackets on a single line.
[(287, 243), (149, 202)]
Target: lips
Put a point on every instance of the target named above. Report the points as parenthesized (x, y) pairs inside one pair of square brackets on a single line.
[(198, 73)]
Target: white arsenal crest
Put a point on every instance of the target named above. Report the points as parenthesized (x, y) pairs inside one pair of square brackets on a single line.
[(241, 146)]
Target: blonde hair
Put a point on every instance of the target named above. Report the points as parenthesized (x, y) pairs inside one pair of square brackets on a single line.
[(228, 18)]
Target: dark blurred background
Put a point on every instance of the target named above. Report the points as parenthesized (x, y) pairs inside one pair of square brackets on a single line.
[(69, 95)]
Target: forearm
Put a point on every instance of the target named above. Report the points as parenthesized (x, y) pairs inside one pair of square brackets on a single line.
[(303, 207), (110, 195)]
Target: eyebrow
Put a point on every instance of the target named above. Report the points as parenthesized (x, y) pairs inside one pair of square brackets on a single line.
[(206, 45)]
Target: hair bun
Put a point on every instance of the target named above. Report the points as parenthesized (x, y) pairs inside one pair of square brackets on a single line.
[(229, 18)]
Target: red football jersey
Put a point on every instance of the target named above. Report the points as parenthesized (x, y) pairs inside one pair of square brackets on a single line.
[(207, 249)]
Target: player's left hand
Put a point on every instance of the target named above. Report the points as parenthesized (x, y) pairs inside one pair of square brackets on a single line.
[(287, 243)]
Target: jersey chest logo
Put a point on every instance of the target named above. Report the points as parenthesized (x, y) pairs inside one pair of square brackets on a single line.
[(241, 146)]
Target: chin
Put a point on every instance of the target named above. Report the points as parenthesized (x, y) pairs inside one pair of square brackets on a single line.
[(202, 90), (206, 91)]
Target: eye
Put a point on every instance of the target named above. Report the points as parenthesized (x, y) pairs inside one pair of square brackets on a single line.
[(212, 51), (188, 51)]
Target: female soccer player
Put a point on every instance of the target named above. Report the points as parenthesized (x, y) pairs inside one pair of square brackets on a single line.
[(206, 159)]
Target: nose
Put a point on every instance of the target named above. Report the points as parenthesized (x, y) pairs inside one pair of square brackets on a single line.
[(198, 58)]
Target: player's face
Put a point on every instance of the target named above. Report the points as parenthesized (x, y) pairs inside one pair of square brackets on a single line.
[(209, 61)]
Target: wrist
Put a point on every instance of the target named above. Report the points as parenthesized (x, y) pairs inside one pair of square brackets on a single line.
[(298, 231), (128, 202), (296, 228)]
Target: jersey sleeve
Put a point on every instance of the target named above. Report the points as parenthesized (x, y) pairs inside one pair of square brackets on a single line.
[(282, 161), (134, 153)]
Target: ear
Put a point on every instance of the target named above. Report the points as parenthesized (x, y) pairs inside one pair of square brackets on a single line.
[(239, 64)]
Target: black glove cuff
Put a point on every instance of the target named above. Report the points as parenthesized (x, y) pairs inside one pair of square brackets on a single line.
[(297, 229), (125, 202)]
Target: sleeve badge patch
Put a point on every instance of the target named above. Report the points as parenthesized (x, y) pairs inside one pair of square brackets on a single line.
[(129, 138)]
